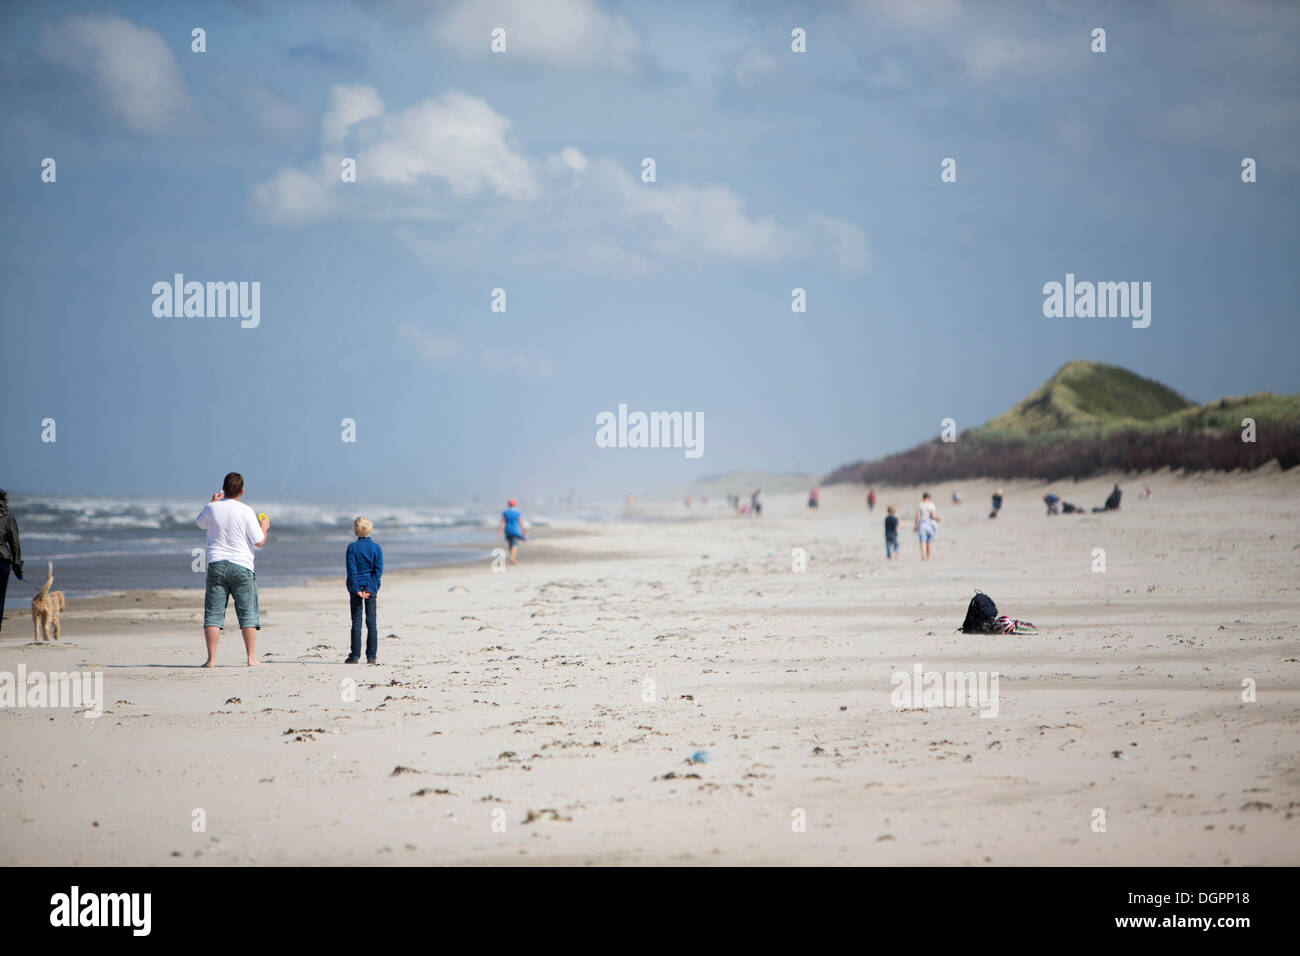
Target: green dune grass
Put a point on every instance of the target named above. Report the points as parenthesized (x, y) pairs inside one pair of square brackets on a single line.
[(1095, 400), (1089, 395), (1091, 417)]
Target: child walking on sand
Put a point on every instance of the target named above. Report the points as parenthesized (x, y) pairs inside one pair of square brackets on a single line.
[(365, 564), (891, 533)]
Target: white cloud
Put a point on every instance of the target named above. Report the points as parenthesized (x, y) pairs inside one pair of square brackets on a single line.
[(845, 243), (568, 158), (426, 345), (683, 221), (424, 160), (449, 162), (348, 105), (574, 35), (129, 68), (435, 349), (297, 196), (710, 221), (458, 139)]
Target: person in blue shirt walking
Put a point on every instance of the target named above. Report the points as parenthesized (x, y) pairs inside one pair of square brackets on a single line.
[(513, 526), (365, 565)]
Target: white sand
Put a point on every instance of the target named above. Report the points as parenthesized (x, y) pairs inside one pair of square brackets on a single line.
[(523, 692)]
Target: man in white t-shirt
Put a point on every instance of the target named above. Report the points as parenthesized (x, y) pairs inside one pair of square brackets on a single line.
[(233, 532)]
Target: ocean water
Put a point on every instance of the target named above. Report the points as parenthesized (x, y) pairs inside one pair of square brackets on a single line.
[(109, 545)]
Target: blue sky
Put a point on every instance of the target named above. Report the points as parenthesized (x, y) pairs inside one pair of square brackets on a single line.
[(522, 170)]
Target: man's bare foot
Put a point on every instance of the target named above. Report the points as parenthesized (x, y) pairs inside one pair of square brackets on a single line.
[(253, 663), (208, 663)]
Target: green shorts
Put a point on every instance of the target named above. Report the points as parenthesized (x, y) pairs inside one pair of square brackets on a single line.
[(226, 580)]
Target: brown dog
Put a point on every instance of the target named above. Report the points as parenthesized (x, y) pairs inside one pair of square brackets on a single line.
[(46, 606)]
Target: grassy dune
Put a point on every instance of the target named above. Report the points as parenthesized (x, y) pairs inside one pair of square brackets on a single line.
[(1091, 418)]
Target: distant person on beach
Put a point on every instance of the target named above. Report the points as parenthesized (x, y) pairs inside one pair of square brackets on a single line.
[(513, 526), (755, 504), (630, 502), (956, 497), (871, 500), (997, 503), (365, 566), (1053, 503), (812, 499), (233, 531), (891, 534), (926, 525), (1112, 500), (11, 550), (1146, 493)]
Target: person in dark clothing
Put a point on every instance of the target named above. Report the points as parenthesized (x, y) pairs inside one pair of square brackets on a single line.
[(997, 503), (11, 552), (1053, 503), (1112, 500), (365, 567), (891, 534)]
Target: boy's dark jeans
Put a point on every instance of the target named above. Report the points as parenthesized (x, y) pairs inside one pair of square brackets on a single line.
[(372, 626)]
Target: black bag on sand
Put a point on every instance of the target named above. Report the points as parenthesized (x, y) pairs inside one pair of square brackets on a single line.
[(980, 615)]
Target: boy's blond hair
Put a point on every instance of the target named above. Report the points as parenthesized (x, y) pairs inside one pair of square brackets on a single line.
[(891, 509), (362, 527)]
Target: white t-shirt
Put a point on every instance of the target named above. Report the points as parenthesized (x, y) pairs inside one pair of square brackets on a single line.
[(232, 530), (926, 509)]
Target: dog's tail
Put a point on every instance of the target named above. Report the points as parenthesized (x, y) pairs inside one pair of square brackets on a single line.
[(48, 581)]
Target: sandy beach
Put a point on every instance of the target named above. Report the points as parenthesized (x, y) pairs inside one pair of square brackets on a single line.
[(511, 719)]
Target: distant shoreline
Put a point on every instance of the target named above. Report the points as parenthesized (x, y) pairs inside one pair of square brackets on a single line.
[(134, 568)]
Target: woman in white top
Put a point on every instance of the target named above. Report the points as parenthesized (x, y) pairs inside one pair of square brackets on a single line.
[(926, 525)]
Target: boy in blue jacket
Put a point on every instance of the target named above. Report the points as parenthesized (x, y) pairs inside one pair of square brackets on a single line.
[(365, 568)]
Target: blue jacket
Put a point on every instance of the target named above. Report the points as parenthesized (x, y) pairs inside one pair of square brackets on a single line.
[(365, 566)]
